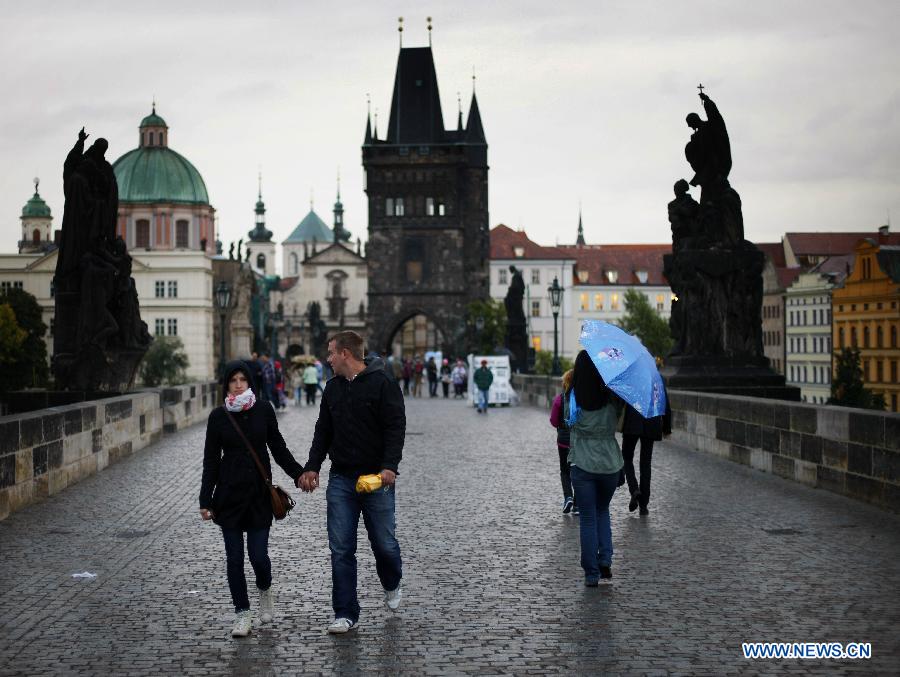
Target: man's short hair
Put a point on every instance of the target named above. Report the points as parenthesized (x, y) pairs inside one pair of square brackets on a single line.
[(351, 341)]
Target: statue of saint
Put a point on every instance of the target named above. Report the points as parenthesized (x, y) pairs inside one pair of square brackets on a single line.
[(514, 296), (709, 151), (684, 215)]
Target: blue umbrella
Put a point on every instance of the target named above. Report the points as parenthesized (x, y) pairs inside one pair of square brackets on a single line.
[(626, 366)]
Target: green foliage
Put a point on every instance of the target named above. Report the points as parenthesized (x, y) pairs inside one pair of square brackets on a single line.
[(644, 322), (543, 363), (12, 336), (493, 333), (165, 362), (847, 389), (26, 367)]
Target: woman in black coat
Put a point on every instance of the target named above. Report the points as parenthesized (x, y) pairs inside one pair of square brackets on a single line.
[(233, 493), (648, 431)]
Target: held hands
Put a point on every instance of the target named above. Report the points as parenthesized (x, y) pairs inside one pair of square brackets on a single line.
[(308, 481), (205, 514), (388, 477)]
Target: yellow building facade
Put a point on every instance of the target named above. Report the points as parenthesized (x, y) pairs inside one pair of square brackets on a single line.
[(866, 313)]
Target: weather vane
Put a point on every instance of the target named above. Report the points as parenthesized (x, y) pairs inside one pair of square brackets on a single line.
[(429, 31), (400, 30)]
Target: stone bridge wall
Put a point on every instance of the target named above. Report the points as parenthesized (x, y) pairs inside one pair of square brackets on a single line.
[(42, 452), (852, 452)]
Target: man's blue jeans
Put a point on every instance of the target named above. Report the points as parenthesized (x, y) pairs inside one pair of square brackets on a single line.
[(483, 399), (594, 492), (344, 508)]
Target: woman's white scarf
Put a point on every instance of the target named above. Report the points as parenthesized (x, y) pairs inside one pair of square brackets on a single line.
[(242, 402)]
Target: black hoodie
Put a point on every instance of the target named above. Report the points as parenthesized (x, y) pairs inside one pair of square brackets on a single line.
[(361, 426), (232, 486)]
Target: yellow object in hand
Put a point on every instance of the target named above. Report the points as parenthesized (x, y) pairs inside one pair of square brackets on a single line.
[(366, 484)]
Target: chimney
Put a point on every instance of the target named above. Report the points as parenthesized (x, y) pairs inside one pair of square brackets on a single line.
[(884, 230)]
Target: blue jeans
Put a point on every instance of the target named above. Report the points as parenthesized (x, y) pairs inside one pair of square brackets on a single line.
[(594, 492), (483, 399), (344, 508), (258, 549)]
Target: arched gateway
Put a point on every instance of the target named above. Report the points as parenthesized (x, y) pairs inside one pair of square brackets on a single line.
[(429, 242)]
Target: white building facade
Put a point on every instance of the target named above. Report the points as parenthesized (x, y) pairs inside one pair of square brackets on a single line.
[(808, 335)]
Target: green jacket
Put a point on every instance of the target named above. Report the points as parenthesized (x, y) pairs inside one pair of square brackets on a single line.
[(593, 446), (483, 378)]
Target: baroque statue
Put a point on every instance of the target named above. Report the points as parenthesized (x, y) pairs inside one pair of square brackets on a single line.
[(516, 333)]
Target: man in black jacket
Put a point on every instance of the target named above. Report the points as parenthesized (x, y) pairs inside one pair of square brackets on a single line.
[(361, 427)]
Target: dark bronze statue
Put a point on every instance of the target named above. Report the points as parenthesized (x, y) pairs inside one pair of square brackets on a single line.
[(99, 339), (516, 333)]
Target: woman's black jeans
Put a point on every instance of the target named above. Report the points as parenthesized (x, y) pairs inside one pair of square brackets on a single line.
[(258, 549), (629, 442)]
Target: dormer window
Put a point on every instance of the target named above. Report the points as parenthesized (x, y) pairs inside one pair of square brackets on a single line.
[(612, 276), (641, 276), (518, 251), (583, 276)]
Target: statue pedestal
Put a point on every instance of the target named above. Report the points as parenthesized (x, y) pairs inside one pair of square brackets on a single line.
[(110, 370), (748, 376)]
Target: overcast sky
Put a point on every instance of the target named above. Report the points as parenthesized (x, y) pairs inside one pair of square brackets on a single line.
[(580, 101)]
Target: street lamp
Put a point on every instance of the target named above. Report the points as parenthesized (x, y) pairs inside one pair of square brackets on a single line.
[(223, 302), (479, 325), (555, 299)]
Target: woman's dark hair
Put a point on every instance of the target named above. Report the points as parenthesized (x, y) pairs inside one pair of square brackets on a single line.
[(591, 392), (238, 366)]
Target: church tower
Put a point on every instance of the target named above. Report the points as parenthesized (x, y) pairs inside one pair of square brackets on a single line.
[(261, 249), (37, 225), (427, 189)]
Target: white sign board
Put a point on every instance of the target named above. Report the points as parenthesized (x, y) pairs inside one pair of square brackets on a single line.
[(500, 388)]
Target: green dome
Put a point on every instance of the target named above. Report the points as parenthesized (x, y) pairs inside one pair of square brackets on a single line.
[(36, 208), (153, 120), (158, 174)]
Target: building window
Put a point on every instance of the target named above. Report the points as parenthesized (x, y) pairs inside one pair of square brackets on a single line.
[(879, 374), (151, 138), (173, 326), (614, 302), (598, 301), (389, 206), (660, 302), (173, 289), (879, 337), (893, 371), (893, 336), (535, 308), (398, 207), (518, 251), (642, 276), (294, 263), (612, 276), (142, 234), (585, 305), (865, 337), (583, 276), (261, 261), (535, 276), (852, 337), (160, 288), (6, 285), (160, 327), (442, 211), (429, 206), (53, 288), (414, 255), (501, 276), (52, 325), (840, 337), (181, 234), (536, 342)]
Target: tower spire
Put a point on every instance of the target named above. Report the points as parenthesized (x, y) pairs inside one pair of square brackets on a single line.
[(400, 30), (429, 31), (580, 238), (459, 123)]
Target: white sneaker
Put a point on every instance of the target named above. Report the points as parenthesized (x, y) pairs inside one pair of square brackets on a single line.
[(243, 623), (266, 605), (341, 625), (392, 598)]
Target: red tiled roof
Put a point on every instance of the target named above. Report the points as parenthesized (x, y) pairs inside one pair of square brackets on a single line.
[(625, 259), (834, 244), (775, 251), (786, 276), (504, 239)]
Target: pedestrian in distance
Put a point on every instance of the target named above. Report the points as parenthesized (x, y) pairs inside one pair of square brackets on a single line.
[(558, 421), (311, 383), (431, 370), (361, 428), (256, 364), (268, 379), (445, 377), (418, 368), (483, 378), (459, 379), (646, 430), (592, 413), (233, 492), (407, 375)]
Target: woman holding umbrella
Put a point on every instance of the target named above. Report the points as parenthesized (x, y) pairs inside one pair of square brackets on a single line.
[(592, 411)]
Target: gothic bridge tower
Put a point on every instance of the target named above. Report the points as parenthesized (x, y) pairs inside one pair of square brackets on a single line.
[(427, 188)]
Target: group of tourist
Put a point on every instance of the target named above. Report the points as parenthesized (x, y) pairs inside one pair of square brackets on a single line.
[(586, 415), (413, 373), (365, 445)]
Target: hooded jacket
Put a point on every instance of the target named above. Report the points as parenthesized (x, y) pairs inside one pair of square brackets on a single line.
[(361, 426), (232, 486)]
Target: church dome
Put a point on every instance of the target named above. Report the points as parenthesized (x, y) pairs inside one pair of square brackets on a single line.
[(153, 172), (36, 208)]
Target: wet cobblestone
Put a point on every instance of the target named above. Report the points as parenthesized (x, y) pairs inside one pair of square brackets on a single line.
[(492, 581)]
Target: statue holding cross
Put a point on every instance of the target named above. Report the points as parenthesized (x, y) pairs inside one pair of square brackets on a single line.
[(709, 150)]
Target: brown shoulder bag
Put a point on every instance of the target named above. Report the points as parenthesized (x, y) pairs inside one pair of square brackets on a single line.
[(282, 503)]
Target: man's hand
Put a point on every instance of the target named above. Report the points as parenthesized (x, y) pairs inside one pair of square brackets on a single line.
[(205, 514), (388, 477), (308, 481), (81, 135)]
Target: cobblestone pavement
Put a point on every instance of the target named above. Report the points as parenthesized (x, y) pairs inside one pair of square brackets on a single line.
[(492, 579)]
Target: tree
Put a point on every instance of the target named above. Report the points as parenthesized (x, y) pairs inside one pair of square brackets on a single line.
[(543, 362), (493, 331), (29, 368), (12, 336), (165, 362), (644, 322), (847, 389)]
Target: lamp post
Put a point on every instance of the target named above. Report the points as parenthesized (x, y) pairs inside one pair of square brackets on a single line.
[(555, 300), (479, 325), (223, 302)]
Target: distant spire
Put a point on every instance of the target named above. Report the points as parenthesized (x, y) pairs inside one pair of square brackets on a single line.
[(580, 239), (368, 138), (474, 128), (260, 184), (429, 31), (37, 182), (473, 80), (339, 184), (459, 124), (154, 105), (310, 199), (375, 129), (400, 30)]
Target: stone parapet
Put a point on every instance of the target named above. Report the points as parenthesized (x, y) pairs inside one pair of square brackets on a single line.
[(853, 452), (43, 452)]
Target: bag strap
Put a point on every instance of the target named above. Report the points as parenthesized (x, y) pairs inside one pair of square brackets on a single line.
[(262, 469)]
